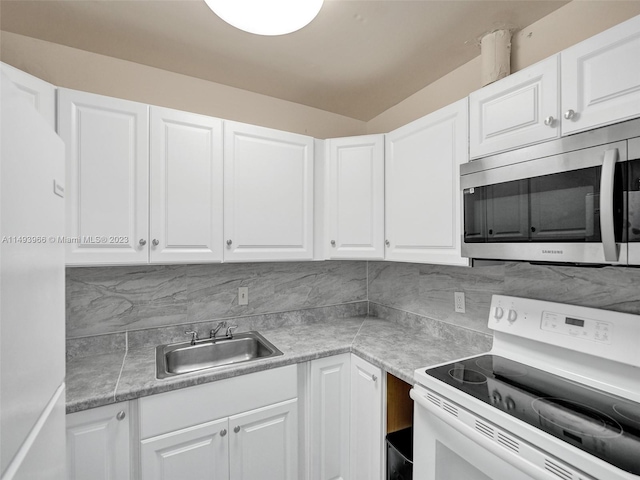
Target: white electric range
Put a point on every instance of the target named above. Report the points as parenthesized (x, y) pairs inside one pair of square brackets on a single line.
[(557, 397)]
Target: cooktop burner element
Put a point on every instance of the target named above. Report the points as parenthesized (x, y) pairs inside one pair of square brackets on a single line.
[(465, 375), (601, 424), (576, 418)]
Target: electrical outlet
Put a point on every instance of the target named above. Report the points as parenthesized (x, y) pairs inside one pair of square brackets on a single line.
[(243, 296), (459, 302)]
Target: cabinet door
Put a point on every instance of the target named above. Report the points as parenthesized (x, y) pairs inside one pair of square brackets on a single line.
[(264, 444), (186, 187), (366, 420), (518, 110), (98, 443), (268, 194), (40, 93), (107, 195), (423, 197), (355, 196), (330, 380), (601, 79), (197, 453)]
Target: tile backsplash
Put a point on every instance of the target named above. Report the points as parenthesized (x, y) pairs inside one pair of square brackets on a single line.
[(114, 299), (427, 290)]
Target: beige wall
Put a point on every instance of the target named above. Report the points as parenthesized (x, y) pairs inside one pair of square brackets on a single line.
[(73, 68), (565, 27)]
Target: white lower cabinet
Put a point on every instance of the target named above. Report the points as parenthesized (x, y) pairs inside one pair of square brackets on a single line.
[(98, 443), (263, 443), (366, 421), (329, 382), (241, 428), (200, 452)]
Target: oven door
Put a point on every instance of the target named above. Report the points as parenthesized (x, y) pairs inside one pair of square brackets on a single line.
[(633, 202), (447, 448), (564, 208)]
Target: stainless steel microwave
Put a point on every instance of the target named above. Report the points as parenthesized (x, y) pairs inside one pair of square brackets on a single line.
[(572, 200)]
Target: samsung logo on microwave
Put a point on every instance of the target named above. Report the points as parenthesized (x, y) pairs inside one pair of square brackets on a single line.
[(553, 252)]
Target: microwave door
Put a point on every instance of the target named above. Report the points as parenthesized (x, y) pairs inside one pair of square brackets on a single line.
[(633, 203)]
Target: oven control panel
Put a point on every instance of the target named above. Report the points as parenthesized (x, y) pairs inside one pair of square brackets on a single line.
[(583, 328), (596, 332)]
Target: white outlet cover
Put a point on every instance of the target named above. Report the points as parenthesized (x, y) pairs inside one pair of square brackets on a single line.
[(243, 296)]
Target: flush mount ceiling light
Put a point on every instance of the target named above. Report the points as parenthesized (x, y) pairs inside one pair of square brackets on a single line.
[(266, 17)]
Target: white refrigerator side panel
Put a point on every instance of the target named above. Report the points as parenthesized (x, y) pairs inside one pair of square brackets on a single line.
[(32, 342)]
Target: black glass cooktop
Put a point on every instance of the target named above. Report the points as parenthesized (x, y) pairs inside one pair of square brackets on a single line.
[(598, 423)]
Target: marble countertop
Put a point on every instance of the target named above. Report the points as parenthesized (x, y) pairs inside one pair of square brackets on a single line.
[(106, 378)]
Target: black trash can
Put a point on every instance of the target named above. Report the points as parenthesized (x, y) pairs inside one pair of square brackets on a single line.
[(400, 455)]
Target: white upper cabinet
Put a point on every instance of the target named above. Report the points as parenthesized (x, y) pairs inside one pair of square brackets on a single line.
[(355, 198), (268, 194), (40, 93), (518, 110), (186, 187), (107, 191), (423, 198), (601, 79)]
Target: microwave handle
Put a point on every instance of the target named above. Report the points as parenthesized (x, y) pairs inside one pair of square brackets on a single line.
[(606, 206)]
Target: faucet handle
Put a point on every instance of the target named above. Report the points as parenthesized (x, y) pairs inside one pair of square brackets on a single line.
[(230, 330), (194, 336)]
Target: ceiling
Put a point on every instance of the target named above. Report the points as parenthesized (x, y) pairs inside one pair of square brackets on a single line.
[(357, 58)]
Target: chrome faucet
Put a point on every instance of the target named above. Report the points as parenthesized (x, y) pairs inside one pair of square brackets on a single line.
[(194, 336), (215, 331)]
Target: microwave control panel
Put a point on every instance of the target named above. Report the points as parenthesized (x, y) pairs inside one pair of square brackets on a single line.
[(584, 328)]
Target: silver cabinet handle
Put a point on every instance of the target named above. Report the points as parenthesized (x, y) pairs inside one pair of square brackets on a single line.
[(155, 242), (229, 242), (120, 416), (142, 242), (387, 243), (569, 114), (549, 121), (223, 432), (609, 245), (333, 243), (237, 429), (374, 378)]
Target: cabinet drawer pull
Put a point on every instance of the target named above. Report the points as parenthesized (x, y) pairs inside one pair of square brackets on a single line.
[(333, 243), (374, 378), (549, 121), (155, 242), (387, 243), (229, 242), (223, 432), (569, 114), (236, 429), (120, 415), (142, 242)]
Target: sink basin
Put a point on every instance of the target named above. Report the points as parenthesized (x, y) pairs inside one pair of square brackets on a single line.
[(180, 358)]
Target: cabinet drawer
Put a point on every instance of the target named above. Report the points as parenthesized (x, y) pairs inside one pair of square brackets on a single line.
[(167, 412)]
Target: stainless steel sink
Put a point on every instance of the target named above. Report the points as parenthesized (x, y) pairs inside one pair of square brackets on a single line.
[(180, 358)]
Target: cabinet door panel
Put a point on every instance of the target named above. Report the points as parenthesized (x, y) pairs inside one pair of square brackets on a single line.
[(601, 78), (366, 420), (329, 418), (423, 198), (263, 443), (98, 444), (511, 113), (196, 453), (356, 198), (268, 207), (40, 93), (186, 187), (107, 189)]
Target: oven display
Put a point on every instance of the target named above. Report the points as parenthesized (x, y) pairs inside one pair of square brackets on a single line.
[(574, 321)]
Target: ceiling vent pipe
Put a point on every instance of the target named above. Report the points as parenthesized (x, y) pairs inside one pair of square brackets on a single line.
[(495, 52)]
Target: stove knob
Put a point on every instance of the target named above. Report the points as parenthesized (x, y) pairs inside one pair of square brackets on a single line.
[(496, 398), (513, 315), (498, 313), (510, 404)]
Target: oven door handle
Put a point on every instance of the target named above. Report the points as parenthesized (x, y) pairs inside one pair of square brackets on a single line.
[(607, 231), (485, 442)]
